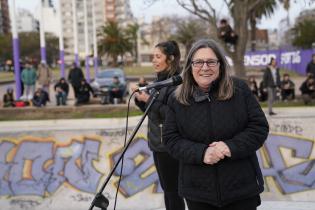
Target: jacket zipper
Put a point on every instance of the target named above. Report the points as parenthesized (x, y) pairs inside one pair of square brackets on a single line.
[(216, 167), (161, 132)]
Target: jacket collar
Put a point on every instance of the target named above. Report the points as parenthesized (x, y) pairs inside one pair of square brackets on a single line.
[(199, 95)]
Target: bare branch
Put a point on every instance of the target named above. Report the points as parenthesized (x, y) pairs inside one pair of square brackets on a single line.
[(228, 4), (210, 7), (192, 10)]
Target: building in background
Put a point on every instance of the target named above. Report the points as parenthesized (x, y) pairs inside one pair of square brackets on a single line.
[(119, 11), (67, 19), (273, 39), (152, 33), (305, 15), (50, 16), (262, 40), (5, 26), (26, 21), (284, 34)]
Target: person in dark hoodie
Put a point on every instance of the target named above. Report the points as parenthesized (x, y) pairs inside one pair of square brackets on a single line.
[(8, 98), (83, 95), (214, 126), (75, 77), (166, 58), (62, 90)]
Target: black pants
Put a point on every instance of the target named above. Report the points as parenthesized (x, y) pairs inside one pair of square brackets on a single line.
[(167, 168), (246, 204)]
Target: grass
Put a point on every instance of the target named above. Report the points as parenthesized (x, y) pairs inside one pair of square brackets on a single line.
[(12, 114), (129, 70), (283, 104), (6, 76)]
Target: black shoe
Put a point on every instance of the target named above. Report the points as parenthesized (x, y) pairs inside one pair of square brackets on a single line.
[(272, 113)]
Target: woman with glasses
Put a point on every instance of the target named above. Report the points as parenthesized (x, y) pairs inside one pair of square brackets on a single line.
[(166, 58), (214, 126)]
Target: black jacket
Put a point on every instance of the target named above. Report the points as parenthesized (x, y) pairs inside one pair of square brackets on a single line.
[(310, 68), (156, 115), (240, 123), (268, 79), (75, 76)]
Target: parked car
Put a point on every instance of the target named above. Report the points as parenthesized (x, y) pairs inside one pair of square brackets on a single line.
[(103, 80)]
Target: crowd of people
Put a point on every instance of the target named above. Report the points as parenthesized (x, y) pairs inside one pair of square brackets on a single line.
[(272, 87), (35, 88)]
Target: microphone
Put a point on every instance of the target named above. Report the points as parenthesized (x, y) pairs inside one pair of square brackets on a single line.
[(173, 81)]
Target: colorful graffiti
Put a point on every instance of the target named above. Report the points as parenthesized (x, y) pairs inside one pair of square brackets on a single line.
[(39, 166), (137, 162), (36, 167), (290, 178)]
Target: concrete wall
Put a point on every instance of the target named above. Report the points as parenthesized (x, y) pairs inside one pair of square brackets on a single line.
[(60, 164)]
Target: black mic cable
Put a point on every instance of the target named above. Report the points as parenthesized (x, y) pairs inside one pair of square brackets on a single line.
[(122, 160)]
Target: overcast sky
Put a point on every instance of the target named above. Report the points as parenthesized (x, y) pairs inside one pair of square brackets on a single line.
[(170, 7)]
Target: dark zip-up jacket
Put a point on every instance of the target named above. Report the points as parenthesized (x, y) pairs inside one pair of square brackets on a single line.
[(239, 122), (268, 78), (156, 115)]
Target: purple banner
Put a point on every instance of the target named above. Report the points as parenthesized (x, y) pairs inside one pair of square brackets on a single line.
[(293, 60)]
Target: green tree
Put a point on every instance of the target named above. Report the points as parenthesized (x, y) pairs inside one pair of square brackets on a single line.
[(5, 47), (304, 34), (30, 46), (188, 31), (132, 34), (114, 41)]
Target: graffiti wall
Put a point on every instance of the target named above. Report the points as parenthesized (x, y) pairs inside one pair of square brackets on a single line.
[(62, 164)]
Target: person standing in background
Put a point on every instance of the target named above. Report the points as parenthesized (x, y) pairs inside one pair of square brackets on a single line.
[(44, 76), (310, 68), (166, 58), (75, 77), (29, 79), (271, 79)]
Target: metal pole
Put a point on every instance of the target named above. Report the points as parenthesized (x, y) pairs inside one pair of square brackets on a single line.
[(61, 44), (16, 52), (94, 40), (75, 32), (42, 33), (86, 41)]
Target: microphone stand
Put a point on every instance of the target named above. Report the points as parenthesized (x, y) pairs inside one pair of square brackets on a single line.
[(100, 200)]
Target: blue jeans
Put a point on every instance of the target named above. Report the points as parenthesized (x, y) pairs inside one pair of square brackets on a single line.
[(61, 98)]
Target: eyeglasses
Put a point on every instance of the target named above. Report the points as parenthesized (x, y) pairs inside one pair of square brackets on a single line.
[(200, 63)]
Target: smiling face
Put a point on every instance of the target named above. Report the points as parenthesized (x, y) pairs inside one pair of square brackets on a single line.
[(205, 74), (159, 60)]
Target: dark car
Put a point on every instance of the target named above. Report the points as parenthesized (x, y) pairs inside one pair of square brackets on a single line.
[(104, 79)]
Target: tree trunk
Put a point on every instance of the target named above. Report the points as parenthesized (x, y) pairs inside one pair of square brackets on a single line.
[(253, 31), (240, 16)]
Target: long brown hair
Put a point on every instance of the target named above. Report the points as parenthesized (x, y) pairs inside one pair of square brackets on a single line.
[(171, 50), (224, 81)]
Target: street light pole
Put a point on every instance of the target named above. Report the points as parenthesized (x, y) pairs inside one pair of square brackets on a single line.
[(86, 41), (61, 44), (16, 52), (42, 33), (75, 32)]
